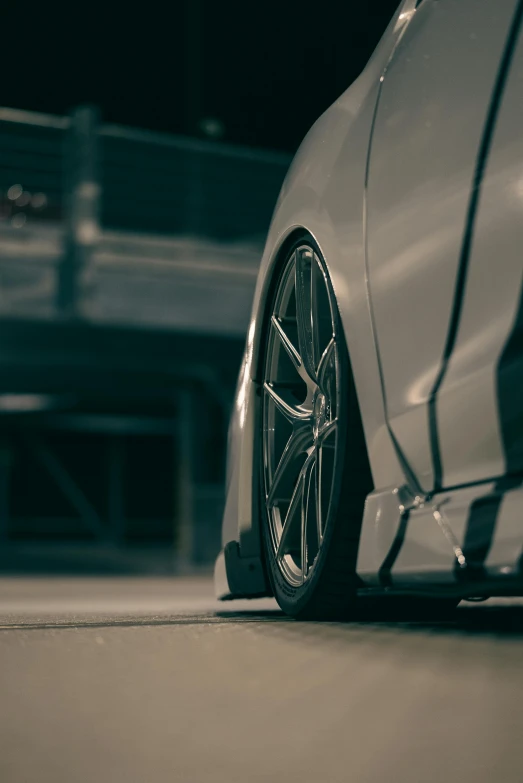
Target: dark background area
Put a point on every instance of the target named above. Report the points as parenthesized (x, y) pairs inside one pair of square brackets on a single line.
[(265, 71), (118, 360)]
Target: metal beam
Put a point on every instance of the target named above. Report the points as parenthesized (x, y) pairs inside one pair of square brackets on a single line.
[(67, 484), (105, 423), (116, 463)]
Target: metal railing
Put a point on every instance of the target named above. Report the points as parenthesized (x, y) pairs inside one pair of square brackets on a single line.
[(150, 182), (123, 225)]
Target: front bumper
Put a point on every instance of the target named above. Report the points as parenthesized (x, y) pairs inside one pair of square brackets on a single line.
[(239, 577)]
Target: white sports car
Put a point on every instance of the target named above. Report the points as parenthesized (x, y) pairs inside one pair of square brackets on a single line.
[(376, 445)]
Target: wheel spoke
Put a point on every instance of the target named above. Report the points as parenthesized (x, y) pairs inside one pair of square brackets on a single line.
[(327, 430), (317, 487), (324, 362), (307, 469), (291, 350), (290, 412), (303, 310), (294, 506), (289, 347), (295, 446), (315, 313)]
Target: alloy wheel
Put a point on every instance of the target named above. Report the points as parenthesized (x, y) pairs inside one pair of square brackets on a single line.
[(300, 414)]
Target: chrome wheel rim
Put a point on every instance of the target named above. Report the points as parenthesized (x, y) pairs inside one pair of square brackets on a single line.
[(300, 415)]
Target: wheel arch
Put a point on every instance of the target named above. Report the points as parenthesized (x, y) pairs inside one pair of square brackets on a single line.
[(271, 279)]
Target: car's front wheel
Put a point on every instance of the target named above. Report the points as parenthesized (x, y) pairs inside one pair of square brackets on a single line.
[(314, 466)]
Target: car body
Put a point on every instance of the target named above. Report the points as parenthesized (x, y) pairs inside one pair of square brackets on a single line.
[(411, 185)]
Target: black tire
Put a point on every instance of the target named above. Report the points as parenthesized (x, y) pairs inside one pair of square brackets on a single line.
[(329, 590)]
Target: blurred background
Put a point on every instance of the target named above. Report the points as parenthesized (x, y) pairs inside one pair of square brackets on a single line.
[(141, 153)]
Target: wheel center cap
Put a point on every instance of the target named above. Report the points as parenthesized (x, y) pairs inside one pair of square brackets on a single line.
[(319, 413)]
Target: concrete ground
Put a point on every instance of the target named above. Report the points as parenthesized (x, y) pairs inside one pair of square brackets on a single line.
[(141, 680)]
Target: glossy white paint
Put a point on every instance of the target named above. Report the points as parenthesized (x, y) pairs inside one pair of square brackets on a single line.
[(468, 406), (429, 123), (435, 538)]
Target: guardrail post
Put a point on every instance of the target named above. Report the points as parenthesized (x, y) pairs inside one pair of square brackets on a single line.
[(82, 194)]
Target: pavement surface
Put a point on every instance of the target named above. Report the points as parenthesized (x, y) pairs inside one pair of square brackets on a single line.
[(145, 680)]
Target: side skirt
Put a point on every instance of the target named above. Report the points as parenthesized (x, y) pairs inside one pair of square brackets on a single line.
[(457, 540)]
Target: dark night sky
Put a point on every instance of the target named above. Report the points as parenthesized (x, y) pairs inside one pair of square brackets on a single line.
[(265, 70)]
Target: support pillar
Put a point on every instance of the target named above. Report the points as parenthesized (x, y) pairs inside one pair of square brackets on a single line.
[(82, 206)]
